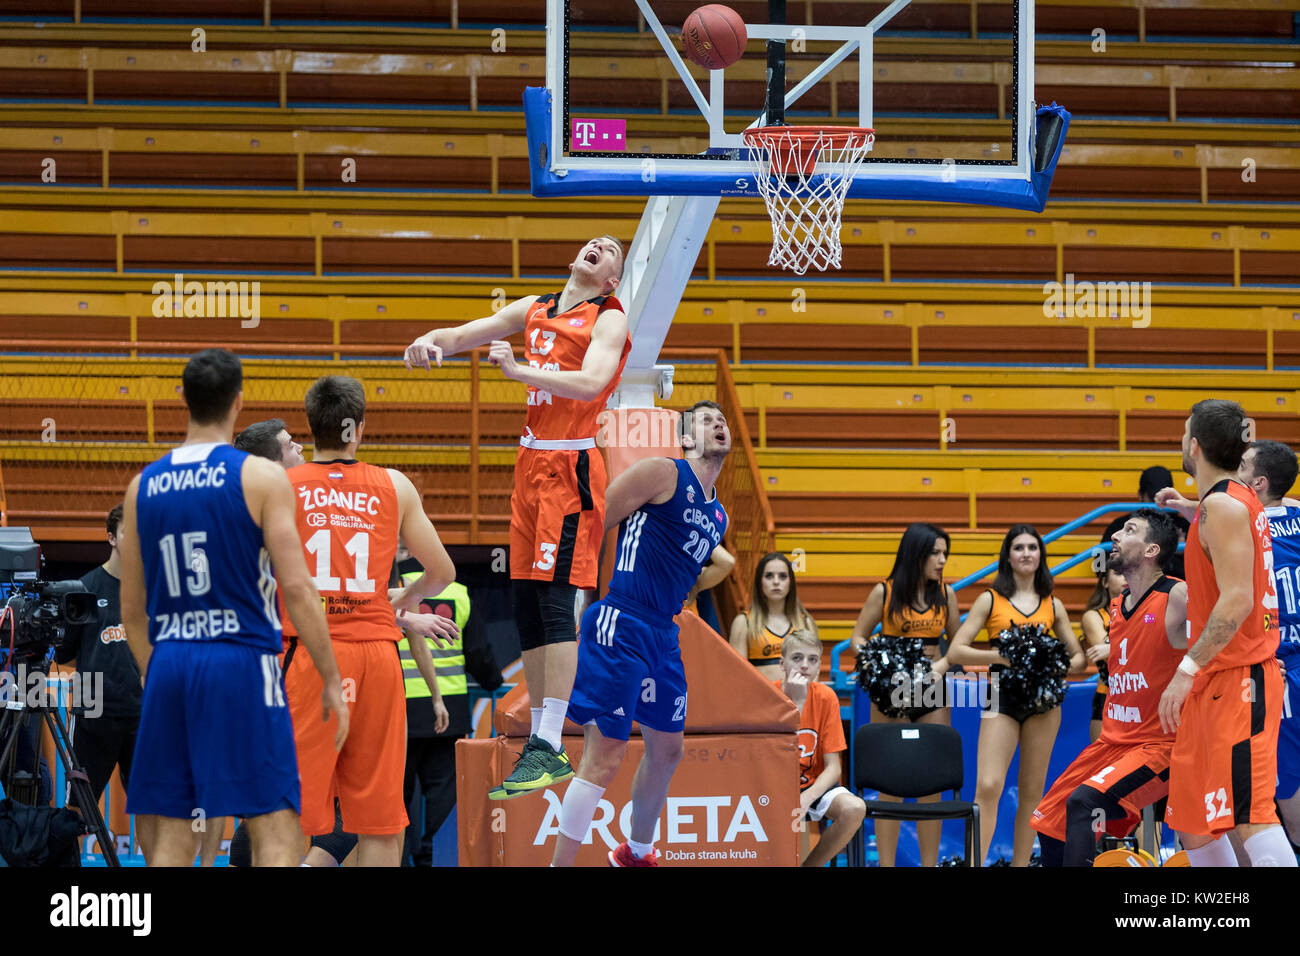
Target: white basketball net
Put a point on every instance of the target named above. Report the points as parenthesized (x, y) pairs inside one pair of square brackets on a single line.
[(804, 179)]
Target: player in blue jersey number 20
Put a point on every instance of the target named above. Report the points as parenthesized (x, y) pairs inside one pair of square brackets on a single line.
[(629, 663)]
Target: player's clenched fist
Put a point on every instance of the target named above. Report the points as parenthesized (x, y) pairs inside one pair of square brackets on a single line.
[(502, 355), (1170, 498), (422, 352)]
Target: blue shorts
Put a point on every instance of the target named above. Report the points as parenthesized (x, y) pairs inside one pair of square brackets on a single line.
[(215, 734), (629, 668), (1288, 736)]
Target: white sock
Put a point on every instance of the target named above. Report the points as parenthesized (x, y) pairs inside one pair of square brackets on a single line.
[(1270, 848), (551, 726), (1215, 853), (536, 714), (578, 808), (641, 850)]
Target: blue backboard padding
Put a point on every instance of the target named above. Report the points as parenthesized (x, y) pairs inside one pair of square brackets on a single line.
[(1009, 194)]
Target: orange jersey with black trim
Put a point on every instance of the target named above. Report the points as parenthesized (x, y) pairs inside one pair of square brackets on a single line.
[(765, 647), (348, 519), (1141, 665), (1004, 614), (928, 625), (1256, 639), (558, 341)]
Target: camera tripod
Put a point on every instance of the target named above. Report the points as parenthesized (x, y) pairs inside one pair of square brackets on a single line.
[(13, 719)]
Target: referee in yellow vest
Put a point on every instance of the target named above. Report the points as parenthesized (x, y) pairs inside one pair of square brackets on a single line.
[(431, 732)]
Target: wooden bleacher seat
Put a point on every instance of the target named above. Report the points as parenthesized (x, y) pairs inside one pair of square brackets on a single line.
[(1100, 160), (485, 243), (284, 77), (1198, 19)]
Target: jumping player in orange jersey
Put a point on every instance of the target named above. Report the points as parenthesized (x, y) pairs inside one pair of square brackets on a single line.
[(1225, 699), (350, 515), (575, 345), (1127, 767)]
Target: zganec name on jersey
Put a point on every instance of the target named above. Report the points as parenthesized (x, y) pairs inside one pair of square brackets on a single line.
[(355, 501), (203, 476)]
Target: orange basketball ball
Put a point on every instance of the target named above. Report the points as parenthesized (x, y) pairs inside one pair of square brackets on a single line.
[(1121, 858), (714, 36)]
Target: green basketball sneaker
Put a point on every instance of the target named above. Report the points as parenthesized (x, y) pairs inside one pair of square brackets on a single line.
[(538, 767)]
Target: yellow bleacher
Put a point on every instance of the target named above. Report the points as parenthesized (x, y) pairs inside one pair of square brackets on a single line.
[(845, 455), (497, 162), (1210, 245)]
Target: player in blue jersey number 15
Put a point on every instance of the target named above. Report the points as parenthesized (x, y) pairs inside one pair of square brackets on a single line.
[(629, 662)]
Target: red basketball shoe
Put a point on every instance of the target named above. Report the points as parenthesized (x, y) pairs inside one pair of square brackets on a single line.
[(622, 856)]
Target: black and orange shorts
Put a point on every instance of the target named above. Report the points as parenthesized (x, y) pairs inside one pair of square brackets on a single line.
[(557, 516), (1223, 770), (1132, 775)]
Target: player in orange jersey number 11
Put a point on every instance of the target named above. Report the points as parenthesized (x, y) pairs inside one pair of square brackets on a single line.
[(575, 346)]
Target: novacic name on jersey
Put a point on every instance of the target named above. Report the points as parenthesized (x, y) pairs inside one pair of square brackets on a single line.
[(200, 477)]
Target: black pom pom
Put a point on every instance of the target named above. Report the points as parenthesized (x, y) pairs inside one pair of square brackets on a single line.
[(1035, 681), (895, 673)]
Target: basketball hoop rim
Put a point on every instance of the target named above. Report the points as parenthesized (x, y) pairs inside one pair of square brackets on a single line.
[(839, 136), (795, 150)]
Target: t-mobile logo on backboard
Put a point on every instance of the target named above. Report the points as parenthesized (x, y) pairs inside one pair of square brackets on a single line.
[(605, 135)]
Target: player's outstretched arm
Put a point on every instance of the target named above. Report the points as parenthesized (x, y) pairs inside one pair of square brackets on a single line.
[(134, 603), (960, 650), (270, 497), (435, 345), (599, 364), (649, 481), (424, 544)]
